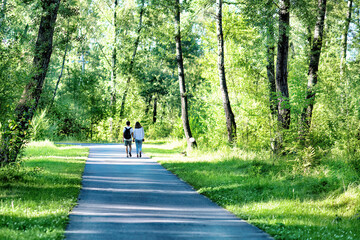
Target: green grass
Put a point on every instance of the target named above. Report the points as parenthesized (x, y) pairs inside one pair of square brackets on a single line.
[(36, 198), (281, 197)]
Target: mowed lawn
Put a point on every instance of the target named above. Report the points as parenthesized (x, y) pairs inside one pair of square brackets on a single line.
[(277, 195), (35, 199)]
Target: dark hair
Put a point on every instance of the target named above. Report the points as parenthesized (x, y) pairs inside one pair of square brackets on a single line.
[(137, 125), (128, 123)]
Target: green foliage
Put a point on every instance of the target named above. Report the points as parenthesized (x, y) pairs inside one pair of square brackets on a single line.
[(41, 128), (13, 136), (83, 103)]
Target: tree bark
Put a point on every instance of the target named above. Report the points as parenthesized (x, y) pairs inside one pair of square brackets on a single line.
[(281, 65), (62, 69), (345, 39), (131, 66), (60, 76), (183, 95), (314, 66), (155, 110), (270, 58), (113, 67), (148, 102), (14, 136), (230, 118)]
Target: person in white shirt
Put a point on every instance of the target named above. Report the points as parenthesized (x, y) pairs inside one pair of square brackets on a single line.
[(138, 138), (128, 134)]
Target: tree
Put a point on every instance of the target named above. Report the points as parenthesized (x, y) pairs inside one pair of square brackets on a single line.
[(132, 62), (281, 65), (15, 133), (314, 66), (67, 43), (345, 39), (270, 56), (113, 67), (184, 101), (230, 119)]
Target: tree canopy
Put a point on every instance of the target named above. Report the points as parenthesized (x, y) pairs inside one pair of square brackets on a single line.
[(113, 61)]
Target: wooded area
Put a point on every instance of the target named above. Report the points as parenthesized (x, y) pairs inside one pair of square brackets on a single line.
[(278, 75)]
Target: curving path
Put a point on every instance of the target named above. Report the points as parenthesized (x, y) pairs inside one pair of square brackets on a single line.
[(130, 198)]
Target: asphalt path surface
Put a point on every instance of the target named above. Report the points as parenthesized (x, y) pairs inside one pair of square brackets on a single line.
[(136, 198)]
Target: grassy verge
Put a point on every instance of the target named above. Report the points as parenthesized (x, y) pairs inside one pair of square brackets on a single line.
[(36, 198), (281, 196)]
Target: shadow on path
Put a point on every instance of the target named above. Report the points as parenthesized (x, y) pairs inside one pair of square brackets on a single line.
[(136, 198)]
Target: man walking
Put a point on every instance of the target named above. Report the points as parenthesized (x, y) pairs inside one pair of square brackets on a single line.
[(128, 134)]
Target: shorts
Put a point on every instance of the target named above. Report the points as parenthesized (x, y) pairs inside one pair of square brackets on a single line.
[(127, 142)]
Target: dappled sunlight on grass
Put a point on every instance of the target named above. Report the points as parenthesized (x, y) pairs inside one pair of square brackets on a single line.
[(276, 195), (36, 204)]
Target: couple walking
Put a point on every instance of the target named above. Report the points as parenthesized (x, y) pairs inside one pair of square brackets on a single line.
[(136, 135)]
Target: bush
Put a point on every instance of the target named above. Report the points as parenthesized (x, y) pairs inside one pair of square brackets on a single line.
[(41, 127)]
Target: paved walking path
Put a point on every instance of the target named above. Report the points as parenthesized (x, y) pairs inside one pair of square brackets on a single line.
[(136, 198)]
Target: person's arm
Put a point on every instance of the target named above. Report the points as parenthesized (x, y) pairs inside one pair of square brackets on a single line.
[(124, 135), (143, 134)]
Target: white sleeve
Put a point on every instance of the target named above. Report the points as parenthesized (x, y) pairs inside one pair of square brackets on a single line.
[(143, 134)]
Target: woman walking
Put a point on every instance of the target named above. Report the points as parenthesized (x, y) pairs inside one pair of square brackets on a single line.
[(138, 138)]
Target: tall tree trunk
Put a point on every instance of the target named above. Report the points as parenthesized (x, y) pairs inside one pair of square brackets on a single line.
[(345, 39), (131, 66), (183, 95), (148, 101), (314, 66), (155, 110), (16, 133), (270, 58), (60, 75), (113, 67), (270, 68), (343, 68), (281, 65), (230, 119), (62, 68)]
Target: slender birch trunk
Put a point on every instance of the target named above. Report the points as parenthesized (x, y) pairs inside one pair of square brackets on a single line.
[(60, 75), (345, 40), (230, 118), (343, 68), (183, 95), (131, 67), (16, 132), (314, 66), (113, 67), (270, 58)]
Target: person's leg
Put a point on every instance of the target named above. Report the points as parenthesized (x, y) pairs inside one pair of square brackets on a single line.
[(137, 147), (140, 147), (130, 148), (126, 149)]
